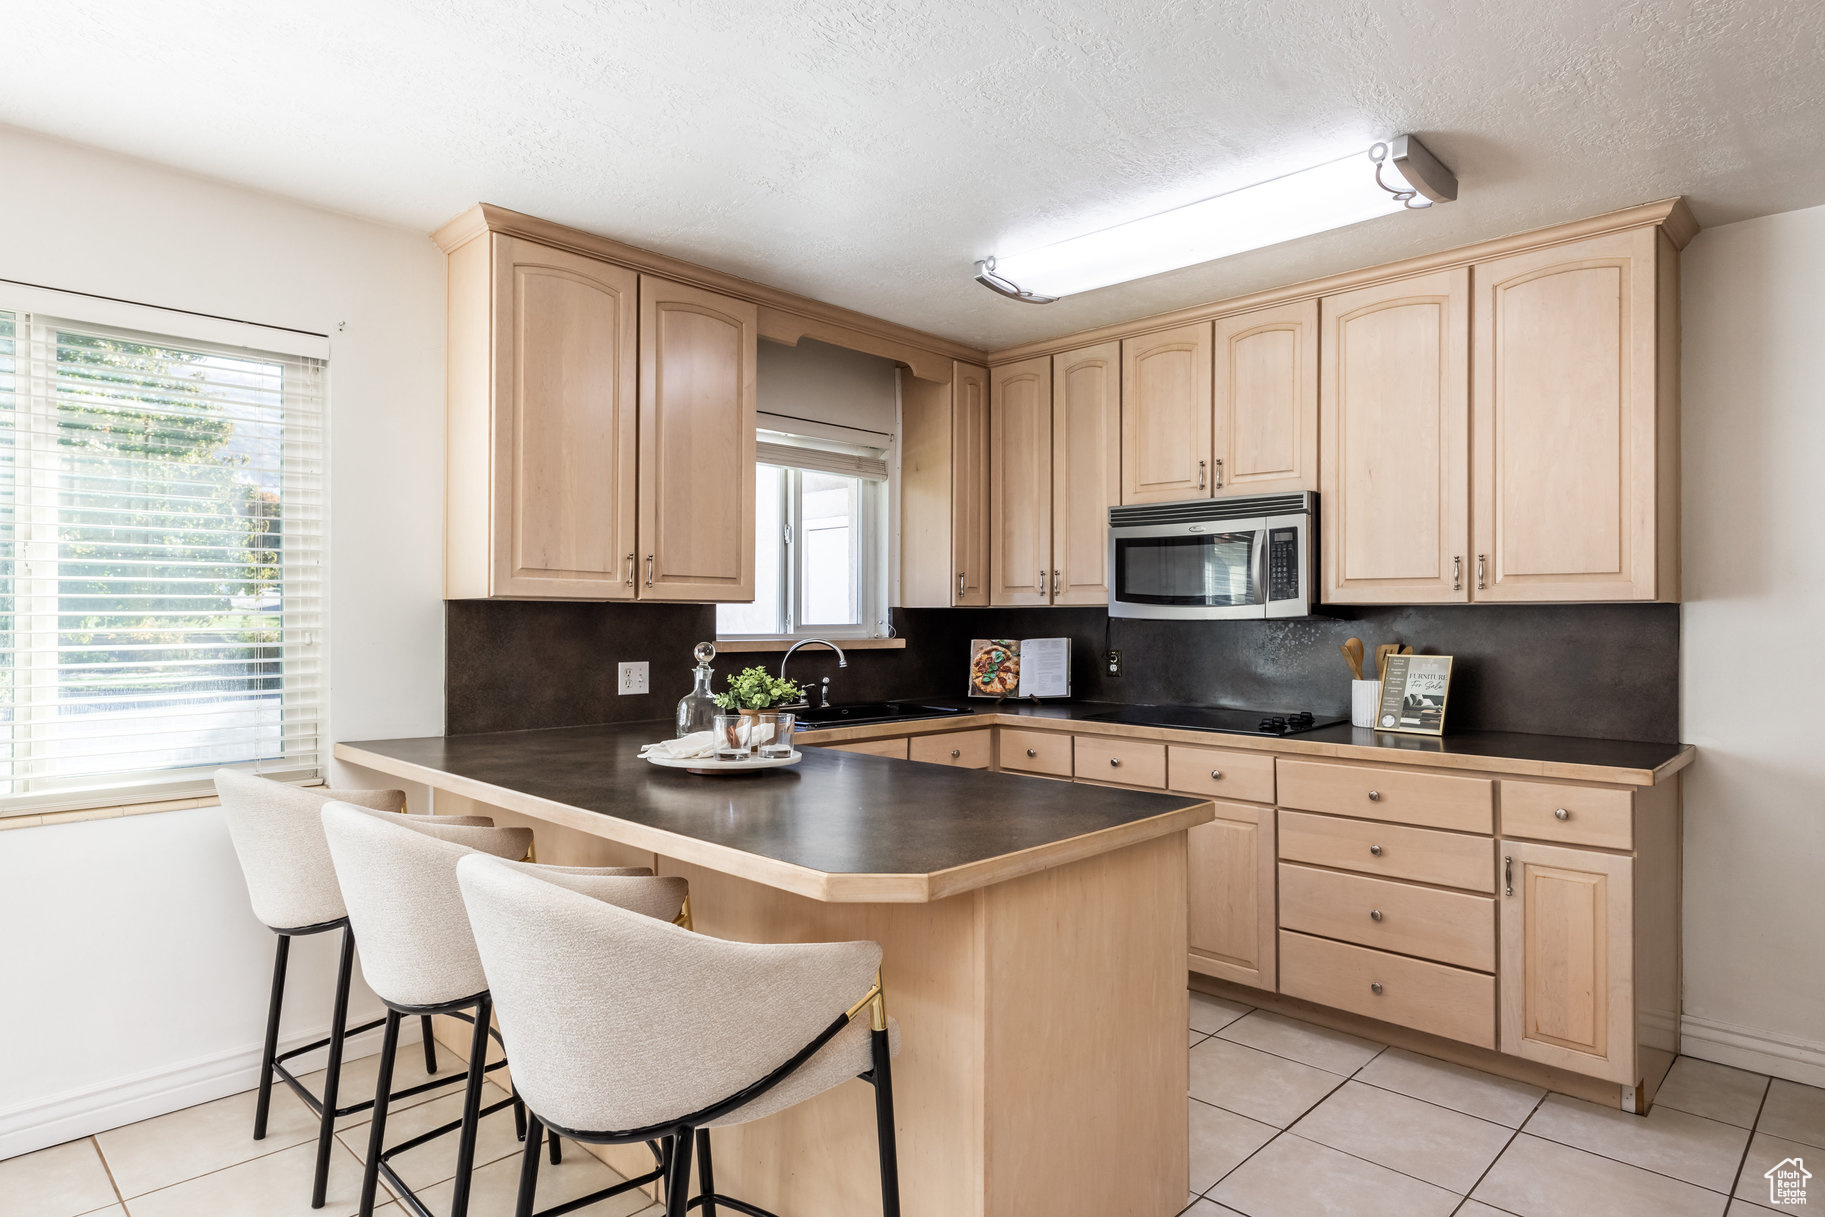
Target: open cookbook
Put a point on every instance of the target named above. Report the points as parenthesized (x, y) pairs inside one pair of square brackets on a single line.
[(1020, 667)]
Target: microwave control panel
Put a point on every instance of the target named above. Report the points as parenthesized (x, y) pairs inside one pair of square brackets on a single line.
[(1283, 564)]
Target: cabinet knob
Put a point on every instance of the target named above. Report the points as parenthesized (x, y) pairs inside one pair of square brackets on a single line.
[(1216, 775), (1562, 814), (1375, 796), (1375, 987), (1115, 762), (1032, 752), (1375, 850), (955, 753), (1374, 914)]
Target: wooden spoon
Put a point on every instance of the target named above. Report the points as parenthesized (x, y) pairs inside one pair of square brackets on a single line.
[(1381, 658), (1352, 655)]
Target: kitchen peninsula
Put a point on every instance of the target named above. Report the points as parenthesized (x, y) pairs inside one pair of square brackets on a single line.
[(1035, 938)]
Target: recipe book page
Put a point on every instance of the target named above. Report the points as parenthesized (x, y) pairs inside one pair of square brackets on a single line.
[(1045, 667)]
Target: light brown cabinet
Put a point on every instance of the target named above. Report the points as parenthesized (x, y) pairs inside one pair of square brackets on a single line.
[(697, 353), (1567, 959), (1020, 483), (1264, 431), (1166, 415), (1086, 470), (1575, 471), (1394, 396), (1230, 895), (944, 489)]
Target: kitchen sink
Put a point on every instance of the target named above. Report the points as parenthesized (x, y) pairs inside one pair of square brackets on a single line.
[(873, 712)]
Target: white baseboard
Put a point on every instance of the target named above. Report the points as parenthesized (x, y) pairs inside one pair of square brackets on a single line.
[(1780, 1056), (81, 1113)]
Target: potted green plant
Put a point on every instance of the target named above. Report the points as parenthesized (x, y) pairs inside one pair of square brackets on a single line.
[(757, 694)]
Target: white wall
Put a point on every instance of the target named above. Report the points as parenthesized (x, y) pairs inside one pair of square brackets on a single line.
[(1752, 670), (133, 978)]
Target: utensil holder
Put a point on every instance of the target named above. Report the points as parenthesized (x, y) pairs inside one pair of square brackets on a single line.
[(1365, 699)]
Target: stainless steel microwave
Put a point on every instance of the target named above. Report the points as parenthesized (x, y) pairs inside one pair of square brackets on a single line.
[(1213, 559)]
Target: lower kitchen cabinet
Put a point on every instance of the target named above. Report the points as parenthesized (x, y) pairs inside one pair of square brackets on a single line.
[(1230, 895)]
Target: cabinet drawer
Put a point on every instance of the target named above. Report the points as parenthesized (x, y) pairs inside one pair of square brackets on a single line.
[(875, 747), (1223, 773), (1451, 927), (1047, 752), (964, 749), (1125, 762), (1574, 815), (1393, 851), (1403, 796), (1432, 997)]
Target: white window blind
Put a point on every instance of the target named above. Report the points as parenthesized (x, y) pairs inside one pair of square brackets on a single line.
[(161, 563)]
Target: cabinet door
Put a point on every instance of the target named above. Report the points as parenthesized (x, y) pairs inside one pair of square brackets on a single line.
[(1567, 959), (1086, 470), (696, 444), (1394, 399), (1230, 893), (970, 483), (1565, 417), (1020, 483), (563, 492), (1166, 415), (1265, 388)]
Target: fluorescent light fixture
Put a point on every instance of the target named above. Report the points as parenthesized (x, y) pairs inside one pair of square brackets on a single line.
[(1395, 175)]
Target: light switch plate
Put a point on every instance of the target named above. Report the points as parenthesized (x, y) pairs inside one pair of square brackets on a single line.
[(633, 677)]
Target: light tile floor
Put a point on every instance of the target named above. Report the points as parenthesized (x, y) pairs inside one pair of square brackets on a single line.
[(1287, 1120)]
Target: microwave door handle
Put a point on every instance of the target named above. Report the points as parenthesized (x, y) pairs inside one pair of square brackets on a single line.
[(1257, 561)]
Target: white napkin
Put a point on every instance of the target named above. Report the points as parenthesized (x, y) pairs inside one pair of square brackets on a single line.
[(692, 747)]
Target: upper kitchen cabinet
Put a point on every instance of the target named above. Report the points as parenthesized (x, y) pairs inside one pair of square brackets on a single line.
[(1166, 415), (1265, 390), (1574, 415), (541, 423), (944, 489), (697, 353), (1086, 470), (1394, 404), (1020, 483)]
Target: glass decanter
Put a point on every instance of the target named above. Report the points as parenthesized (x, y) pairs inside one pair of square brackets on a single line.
[(697, 709)]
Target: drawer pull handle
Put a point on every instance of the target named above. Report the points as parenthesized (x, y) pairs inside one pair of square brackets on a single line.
[(1562, 814), (1375, 850), (1216, 775), (1375, 987), (1374, 914), (1032, 752), (1115, 762), (955, 753), (1375, 796)]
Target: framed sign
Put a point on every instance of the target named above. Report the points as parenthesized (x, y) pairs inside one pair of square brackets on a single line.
[(1413, 693)]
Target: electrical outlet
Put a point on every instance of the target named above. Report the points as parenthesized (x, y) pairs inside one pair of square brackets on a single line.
[(633, 677), (1115, 663)]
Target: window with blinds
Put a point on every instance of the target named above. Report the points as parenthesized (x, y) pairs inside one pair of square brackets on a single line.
[(161, 564)]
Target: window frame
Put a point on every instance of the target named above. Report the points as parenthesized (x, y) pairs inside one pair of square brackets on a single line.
[(303, 415)]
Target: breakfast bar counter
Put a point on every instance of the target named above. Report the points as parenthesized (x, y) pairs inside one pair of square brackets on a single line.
[(1035, 938)]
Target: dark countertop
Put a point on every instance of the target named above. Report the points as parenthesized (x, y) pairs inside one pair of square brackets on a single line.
[(1628, 761), (837, 826)]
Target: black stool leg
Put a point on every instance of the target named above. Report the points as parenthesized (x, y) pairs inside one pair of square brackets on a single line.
[(383, 1089), (519, 1117), (472, 1106), (884, 1130), (430, 1044), (678, 1186), (529, 1167), (557, 1154), (332, 1080), (706, 1173), (271, 1048)]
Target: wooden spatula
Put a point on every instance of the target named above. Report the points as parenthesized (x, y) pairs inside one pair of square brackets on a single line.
[(1352, 655), (1381, 658)]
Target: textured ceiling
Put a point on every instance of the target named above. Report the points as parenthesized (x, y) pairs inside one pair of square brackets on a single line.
[(868, 153)]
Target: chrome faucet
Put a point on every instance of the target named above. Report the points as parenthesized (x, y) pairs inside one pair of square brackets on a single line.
[(842, 661)]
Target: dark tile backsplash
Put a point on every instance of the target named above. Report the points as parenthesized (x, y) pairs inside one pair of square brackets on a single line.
[(1606, 671)]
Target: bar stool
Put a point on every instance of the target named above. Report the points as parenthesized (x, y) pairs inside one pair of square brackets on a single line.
[(624, 1029), (277, 831), (398, 879)]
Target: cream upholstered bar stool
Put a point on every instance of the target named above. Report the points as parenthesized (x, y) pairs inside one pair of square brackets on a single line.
[(624, 1029), (277, 831), (398, 877)]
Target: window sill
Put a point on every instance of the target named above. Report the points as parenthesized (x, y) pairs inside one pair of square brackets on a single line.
[(117, 812), (740, 646)]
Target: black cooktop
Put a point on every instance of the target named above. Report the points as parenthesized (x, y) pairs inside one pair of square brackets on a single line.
[(1217, 718)]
